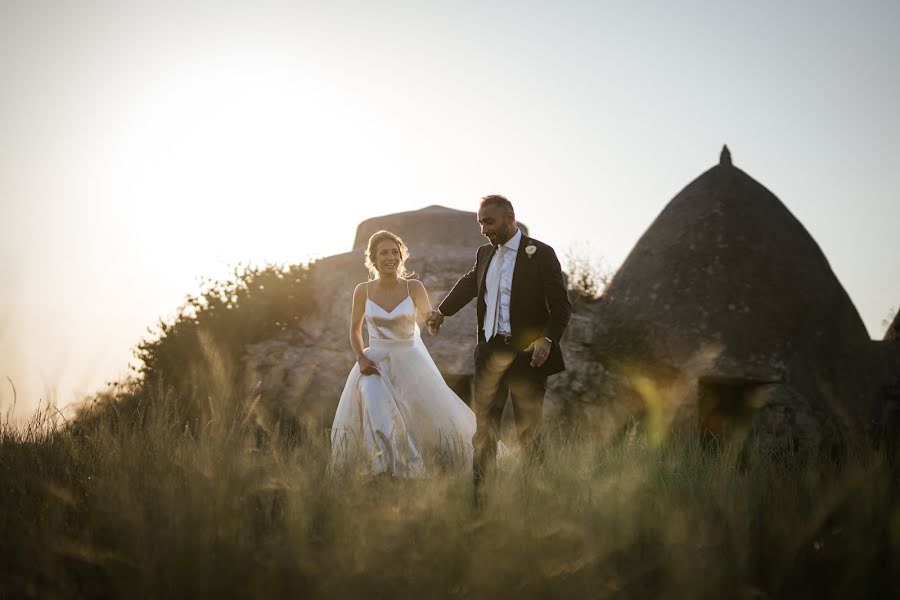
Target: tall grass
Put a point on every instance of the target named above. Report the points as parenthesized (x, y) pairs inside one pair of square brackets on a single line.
[(146, 507)]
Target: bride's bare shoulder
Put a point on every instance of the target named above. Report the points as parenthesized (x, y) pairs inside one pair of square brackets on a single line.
[(415, 284), (360, 289), (417, 291)]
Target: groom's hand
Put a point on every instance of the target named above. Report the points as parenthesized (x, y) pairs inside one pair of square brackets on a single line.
[(540, 350), (435, 320)]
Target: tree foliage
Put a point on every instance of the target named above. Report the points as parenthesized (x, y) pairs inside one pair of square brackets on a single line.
[(198, 353), (587, 273), (255, 305)]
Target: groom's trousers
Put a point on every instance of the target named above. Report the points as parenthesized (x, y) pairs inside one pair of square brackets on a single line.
[(503, 371)]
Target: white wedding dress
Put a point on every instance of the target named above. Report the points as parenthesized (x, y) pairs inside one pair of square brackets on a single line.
[(390, 422)]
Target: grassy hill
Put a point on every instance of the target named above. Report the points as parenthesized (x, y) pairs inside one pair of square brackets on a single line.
[(153, 507)]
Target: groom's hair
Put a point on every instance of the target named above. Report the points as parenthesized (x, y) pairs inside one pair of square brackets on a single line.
[(498, 200)]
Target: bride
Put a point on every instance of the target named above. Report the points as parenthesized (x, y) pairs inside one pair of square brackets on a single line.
[(395, 407)]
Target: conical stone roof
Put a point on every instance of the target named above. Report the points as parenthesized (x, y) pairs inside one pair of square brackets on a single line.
[(726, 269)]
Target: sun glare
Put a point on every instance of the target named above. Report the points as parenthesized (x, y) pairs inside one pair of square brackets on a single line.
[(215, 154), (194, 173)]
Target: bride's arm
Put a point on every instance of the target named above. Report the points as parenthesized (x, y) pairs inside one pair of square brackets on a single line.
[(420, 299), (357, 314)]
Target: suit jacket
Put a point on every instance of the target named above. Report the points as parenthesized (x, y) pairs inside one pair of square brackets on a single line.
[(538, 305)]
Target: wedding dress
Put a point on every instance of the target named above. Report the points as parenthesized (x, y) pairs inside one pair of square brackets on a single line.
[(391, 421)]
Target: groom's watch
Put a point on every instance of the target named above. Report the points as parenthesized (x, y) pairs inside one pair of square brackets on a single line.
[(549, 340)]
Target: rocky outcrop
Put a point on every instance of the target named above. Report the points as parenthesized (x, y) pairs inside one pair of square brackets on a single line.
[(302, 373), (426, 229)]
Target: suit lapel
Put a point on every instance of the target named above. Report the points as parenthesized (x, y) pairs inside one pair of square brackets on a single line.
[(520, 258), (483, 268)]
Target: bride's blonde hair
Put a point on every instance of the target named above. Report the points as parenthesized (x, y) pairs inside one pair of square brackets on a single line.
[(378, 237)]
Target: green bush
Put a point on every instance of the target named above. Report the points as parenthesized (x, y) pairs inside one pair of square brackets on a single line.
[(587, 274), (196, 357)]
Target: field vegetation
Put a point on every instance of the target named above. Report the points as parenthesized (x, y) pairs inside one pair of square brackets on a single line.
[(172, 484)]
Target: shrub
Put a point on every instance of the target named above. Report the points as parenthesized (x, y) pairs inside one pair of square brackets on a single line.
[(196, 356), (587, 273)]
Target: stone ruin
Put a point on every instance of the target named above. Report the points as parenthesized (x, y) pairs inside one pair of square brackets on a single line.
[(728, 310), (726, 314), (301, 373)]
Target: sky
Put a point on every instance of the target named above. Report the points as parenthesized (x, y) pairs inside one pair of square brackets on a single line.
[(146, 145)]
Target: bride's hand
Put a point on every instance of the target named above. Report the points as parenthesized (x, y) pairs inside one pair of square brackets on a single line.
[(367, 367), (434, 321)]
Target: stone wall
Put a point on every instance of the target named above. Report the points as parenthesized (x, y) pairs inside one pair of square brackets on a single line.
[(302, 373), (726, 300)]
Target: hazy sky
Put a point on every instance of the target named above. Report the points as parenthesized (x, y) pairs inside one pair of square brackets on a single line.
[(143, 145)]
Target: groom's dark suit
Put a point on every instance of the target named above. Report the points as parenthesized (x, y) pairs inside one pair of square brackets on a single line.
[(539, 307)]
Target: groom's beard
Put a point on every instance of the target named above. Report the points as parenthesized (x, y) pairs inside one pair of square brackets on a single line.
[(497, 240)]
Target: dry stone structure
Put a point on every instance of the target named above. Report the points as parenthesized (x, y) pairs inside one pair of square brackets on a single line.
[(301, 374), (726, 314), (728, 310)]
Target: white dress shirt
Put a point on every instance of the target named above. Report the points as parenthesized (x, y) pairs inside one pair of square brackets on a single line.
[(498, 286)]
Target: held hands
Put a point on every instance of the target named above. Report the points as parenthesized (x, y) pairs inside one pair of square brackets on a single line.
[(435, 320), (367, 367), (540, 349)]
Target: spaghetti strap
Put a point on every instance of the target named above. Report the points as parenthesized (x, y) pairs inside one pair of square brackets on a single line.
[(367, 290)]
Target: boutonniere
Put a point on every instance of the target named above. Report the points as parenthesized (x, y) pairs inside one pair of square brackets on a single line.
[(530, 249)]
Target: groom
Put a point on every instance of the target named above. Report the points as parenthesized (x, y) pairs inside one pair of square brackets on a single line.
[(523, 309)]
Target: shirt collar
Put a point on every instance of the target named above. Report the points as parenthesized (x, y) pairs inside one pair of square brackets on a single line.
[(513, 242)]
